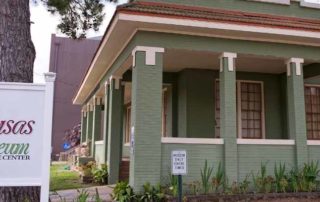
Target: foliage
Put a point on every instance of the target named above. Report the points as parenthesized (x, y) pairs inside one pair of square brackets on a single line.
[(97, 196), (173, 187), (83, 196), (77, 16), (206, 173), (100, 175), (87, 168), (123, 193), (194, 187), (281, 181), (261, 181), (152, 193), (218, 178)]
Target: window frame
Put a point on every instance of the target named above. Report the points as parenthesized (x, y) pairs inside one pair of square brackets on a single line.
[(309, 85), (239, 113), (238, 106)]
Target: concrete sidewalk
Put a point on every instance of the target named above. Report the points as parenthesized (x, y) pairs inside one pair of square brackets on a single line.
[(71, 194)]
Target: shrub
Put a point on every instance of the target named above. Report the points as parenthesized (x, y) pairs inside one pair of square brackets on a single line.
[(206, 173), (122, 192), (218, 179), (281, 181), (152, 193), (100, 175)]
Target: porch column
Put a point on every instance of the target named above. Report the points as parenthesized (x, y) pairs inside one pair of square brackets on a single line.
[(89, 127), (83, 126), (296, 109), (96, 123), (115, 121), (229, 114), (145, 155), (105, 123)]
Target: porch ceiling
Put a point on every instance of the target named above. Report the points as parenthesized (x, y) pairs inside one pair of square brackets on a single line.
[(177, 60)]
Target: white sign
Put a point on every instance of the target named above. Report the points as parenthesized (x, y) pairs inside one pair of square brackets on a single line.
[(25, 134), (179, 162)]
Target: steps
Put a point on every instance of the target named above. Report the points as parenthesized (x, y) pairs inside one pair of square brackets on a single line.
[(124, 170)]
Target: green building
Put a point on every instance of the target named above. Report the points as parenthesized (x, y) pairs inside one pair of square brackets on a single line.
[(230, 81)]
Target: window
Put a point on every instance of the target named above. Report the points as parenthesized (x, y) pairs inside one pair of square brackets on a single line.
[(127, 124), (164, 114), (164, 111), (312, 100), (250, 110), (217, 110)]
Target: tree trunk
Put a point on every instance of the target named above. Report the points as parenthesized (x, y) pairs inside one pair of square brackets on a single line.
[(17, 52), (17, 55)]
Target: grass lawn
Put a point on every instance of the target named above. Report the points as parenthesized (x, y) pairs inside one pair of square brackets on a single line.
[(61, 179)]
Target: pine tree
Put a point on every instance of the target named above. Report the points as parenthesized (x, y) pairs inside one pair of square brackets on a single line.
[(17, 52)]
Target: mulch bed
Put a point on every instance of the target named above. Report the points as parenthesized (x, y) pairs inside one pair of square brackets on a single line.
[(273, 197)]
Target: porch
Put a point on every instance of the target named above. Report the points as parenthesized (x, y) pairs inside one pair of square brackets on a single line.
[(238, 109)]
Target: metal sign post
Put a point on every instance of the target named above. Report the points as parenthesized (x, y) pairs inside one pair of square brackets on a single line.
[(179, 168)]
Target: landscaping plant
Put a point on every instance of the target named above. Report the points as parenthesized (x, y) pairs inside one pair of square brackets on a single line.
[(281, 182), (194, 187), (100, 175), (261, 181), (122, 192), (206, 173), (173, 187), (218, 178), (152, 193), (96, 197), (83, 196)]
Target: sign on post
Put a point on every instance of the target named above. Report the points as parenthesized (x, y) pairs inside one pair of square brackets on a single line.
[(179, 162), (25, 134), (179, 168)]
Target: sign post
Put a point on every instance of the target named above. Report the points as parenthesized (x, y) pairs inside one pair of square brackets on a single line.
[(179, 168), (25, 134)]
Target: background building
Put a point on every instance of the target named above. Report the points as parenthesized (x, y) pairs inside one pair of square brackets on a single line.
[(69, 59)]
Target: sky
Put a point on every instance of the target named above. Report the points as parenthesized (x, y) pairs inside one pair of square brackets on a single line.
[(44, 25)]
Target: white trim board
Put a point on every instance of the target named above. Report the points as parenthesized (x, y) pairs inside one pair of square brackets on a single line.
[(313, 142), (100, 142), (173, 140), (217, 25), (265, 142)]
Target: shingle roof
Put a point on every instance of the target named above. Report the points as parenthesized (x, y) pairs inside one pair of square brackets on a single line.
[(219, 15)]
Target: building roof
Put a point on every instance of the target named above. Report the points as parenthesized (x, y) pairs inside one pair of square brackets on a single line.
[(208, 14), (294, 30)]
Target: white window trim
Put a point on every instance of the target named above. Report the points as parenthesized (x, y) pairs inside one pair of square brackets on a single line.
[(206, 141), (265, 142), (304, 3), (263, 129), (100, 142), (313, 142), (283, 2)]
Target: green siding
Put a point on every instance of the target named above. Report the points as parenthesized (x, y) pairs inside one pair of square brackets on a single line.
[(115, 133), (145, 162), (218, 45), (250, 158), (314, 152), (196, 102), (297, 114), (196, 155), (294, 9)]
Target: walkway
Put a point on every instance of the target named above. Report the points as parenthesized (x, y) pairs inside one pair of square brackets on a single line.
[(71, 195)]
